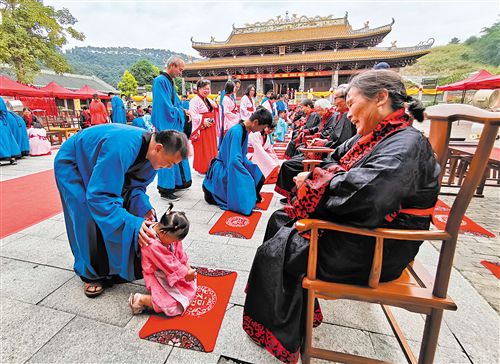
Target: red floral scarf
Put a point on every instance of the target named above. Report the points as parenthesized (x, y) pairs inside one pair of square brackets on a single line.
[(303, 201)]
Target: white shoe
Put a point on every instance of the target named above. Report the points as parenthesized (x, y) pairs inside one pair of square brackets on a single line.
[(134, 302)]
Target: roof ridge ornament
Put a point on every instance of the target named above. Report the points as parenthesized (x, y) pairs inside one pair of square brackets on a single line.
[(289, 22)]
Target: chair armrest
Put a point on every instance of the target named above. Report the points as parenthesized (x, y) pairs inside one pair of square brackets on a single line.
[(310, 163), (397, 234), (316, 150)]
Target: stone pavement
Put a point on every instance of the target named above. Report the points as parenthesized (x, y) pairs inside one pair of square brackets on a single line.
[(46, 318), (471, 250)]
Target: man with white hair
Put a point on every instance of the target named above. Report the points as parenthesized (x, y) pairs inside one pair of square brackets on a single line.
[(168, 114)]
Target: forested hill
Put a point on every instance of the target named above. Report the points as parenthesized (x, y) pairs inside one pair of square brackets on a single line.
[(109, 63)]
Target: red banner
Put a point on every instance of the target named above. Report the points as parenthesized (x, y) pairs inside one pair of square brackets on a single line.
[(285, 75)]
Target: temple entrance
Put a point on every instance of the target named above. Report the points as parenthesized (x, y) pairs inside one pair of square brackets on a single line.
[(280, 86)]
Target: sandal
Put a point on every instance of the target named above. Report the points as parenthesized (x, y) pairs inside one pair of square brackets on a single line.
[(97, 289)]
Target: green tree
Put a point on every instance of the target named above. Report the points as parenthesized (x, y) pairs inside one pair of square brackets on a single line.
[(32, 34), (178, 85), (148, 88), (449, 63), (144, 72), (128, 84), (471, 40), (454, 40), (487, 47)]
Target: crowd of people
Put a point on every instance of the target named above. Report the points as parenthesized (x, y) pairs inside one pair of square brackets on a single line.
[(381, 173), (21, 136)]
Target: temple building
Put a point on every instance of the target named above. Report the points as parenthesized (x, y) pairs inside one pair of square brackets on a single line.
[(298, 52)]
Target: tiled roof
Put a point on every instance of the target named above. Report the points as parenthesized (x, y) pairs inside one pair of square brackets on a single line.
[(72, 81), (293, 36), (310, 57)]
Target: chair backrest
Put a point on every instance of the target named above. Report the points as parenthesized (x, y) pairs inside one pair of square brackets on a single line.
[(441, 117)]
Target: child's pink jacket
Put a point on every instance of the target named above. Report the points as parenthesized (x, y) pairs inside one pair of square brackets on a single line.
[(164, 269)]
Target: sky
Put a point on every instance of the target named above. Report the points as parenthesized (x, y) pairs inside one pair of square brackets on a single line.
[(169, 25)]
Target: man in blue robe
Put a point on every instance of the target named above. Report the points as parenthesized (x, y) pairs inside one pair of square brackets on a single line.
[(168, 114), (232, 181), (118, 113), (19, 132), (9, 150), (185, 102), (280, 104), (139, 122), (102, 174)]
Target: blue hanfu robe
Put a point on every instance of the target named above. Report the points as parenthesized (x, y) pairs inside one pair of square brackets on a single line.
[(168, 114), (102, 174), (185, 104), (280, 105), (233, 181), (281, 129), (139, 123), (8, 145), (19, 132), (118, 112)]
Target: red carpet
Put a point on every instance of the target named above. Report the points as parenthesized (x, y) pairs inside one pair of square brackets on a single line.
[(273, 176), (27, 201), (198, 328), (492, 267), (235, 225), (266, 201), (440, 217)]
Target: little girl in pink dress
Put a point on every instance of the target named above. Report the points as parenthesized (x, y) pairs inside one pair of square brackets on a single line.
[(167, 273)]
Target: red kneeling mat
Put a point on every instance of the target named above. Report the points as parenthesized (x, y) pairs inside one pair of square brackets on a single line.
[(267, 197), (198, 328), (235, 225), (467, 226), (492, 267), (27, 201)]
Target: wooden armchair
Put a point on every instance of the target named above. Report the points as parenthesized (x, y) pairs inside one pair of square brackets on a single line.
[(415, 290), (309, 153)]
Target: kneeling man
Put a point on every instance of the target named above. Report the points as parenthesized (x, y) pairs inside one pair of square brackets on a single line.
[(232, 181)]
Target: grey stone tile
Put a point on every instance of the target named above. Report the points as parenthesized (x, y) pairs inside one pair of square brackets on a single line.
[(233, 342), (445, 355), (215, 218), (63, 237), (370, 317), (29, 282), (202, 217), (199, 232), (58, 217), (26, 328), (53, 252), (202, 205), (254, 242), (238, 295), (213, 255), (428, 255), (111, 307), (185, 356), (358, 315), (387, 348), (343, 339), (85, 340), (472, 321), (46, 229), (9, 239)]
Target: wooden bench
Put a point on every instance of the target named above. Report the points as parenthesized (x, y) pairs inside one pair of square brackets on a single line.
[(415, 290), (60, 133)]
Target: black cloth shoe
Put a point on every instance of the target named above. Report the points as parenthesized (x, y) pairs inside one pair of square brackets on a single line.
[(169, 196), (284, 201)]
